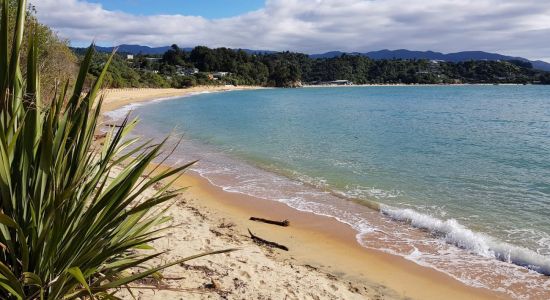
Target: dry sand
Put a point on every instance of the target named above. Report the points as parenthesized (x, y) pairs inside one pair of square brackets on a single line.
[(324, 260), (251, 272), (115, 98)]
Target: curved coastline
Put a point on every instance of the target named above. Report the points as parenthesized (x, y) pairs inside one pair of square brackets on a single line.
[(476, 260), (117, 98), (422, 282)]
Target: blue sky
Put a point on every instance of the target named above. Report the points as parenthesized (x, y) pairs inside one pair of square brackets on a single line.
[(210, 9)]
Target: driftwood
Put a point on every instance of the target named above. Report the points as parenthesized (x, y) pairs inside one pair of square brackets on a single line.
[(261, 241), (100, 136), (113, 125), (284, 223)]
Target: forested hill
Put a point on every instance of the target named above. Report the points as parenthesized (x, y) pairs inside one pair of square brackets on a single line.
[(183, 67), (58, 62), (380, 54), (431, 55)]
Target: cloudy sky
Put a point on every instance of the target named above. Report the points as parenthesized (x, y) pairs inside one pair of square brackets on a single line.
[(512, 27)]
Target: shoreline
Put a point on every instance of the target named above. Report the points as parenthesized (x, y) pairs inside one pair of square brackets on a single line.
[(329, 244), (314, 240), (117, 98), (412, 85)]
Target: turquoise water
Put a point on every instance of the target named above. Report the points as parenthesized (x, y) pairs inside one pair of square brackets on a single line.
[(469, 165)]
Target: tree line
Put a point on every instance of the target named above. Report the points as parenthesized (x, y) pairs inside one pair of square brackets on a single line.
[(289, 69)]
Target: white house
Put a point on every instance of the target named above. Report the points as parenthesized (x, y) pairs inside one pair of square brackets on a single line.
[(186, 71), (220, 74), (341, 82)]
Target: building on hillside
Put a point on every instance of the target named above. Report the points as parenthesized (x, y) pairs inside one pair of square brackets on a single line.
[(341, 82), (130, 57), (219, 75), (182, 71)]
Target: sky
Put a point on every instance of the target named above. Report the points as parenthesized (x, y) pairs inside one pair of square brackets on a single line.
[(210, 9), (510, 27)]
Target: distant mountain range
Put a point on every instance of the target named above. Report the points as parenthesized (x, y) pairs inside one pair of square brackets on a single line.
[(381, 54), (138, 49), (452, 57)]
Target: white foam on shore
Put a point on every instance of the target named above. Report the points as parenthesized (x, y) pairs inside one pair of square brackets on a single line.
[(120, 113), (314, 197), (454, 233), (299, 203), (444, 245), (311, 200), (455, 250)]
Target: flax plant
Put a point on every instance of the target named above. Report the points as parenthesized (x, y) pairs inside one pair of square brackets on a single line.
[(70, 227)]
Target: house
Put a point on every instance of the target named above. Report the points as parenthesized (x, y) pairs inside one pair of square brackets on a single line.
[(182, 71), (219, 75), (130, 57), (341, 82)]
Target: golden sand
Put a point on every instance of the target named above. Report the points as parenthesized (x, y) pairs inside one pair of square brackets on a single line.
[(115, 98), (324, 260)]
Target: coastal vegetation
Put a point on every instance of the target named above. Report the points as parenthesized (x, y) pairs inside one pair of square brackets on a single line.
[(57, 62), (74, 222), (287, 69)]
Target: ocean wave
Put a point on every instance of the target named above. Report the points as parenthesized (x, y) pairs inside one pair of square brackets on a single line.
[(504, 257), (473, 258), (481, 244), (307, 199)]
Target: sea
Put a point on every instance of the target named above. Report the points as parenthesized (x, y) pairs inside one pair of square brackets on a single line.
[(454, 178)]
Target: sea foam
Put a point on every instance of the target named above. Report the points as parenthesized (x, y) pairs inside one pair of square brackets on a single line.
[(392, 158), (481, 244), (121, 112)]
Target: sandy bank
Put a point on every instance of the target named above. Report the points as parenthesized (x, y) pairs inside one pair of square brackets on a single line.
[(324, 260), (116, 98)]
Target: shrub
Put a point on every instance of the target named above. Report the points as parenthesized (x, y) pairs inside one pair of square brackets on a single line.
[(70, 227)]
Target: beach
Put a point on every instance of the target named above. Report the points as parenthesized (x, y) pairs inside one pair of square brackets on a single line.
[(267, 150), (324, 260), (116, 98)]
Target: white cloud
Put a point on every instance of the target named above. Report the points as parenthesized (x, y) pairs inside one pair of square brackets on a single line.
[(506, 26)]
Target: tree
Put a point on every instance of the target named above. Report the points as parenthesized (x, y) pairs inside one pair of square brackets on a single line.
[(70, 226), (58, 62)]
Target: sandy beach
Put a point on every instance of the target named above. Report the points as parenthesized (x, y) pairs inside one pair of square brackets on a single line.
[(324, 260), (115, 98)]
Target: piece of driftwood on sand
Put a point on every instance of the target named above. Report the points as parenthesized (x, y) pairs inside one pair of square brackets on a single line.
[(261, 241), (284, 223)]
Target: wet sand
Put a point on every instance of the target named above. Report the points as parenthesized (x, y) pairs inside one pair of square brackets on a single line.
[(322, 250)]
